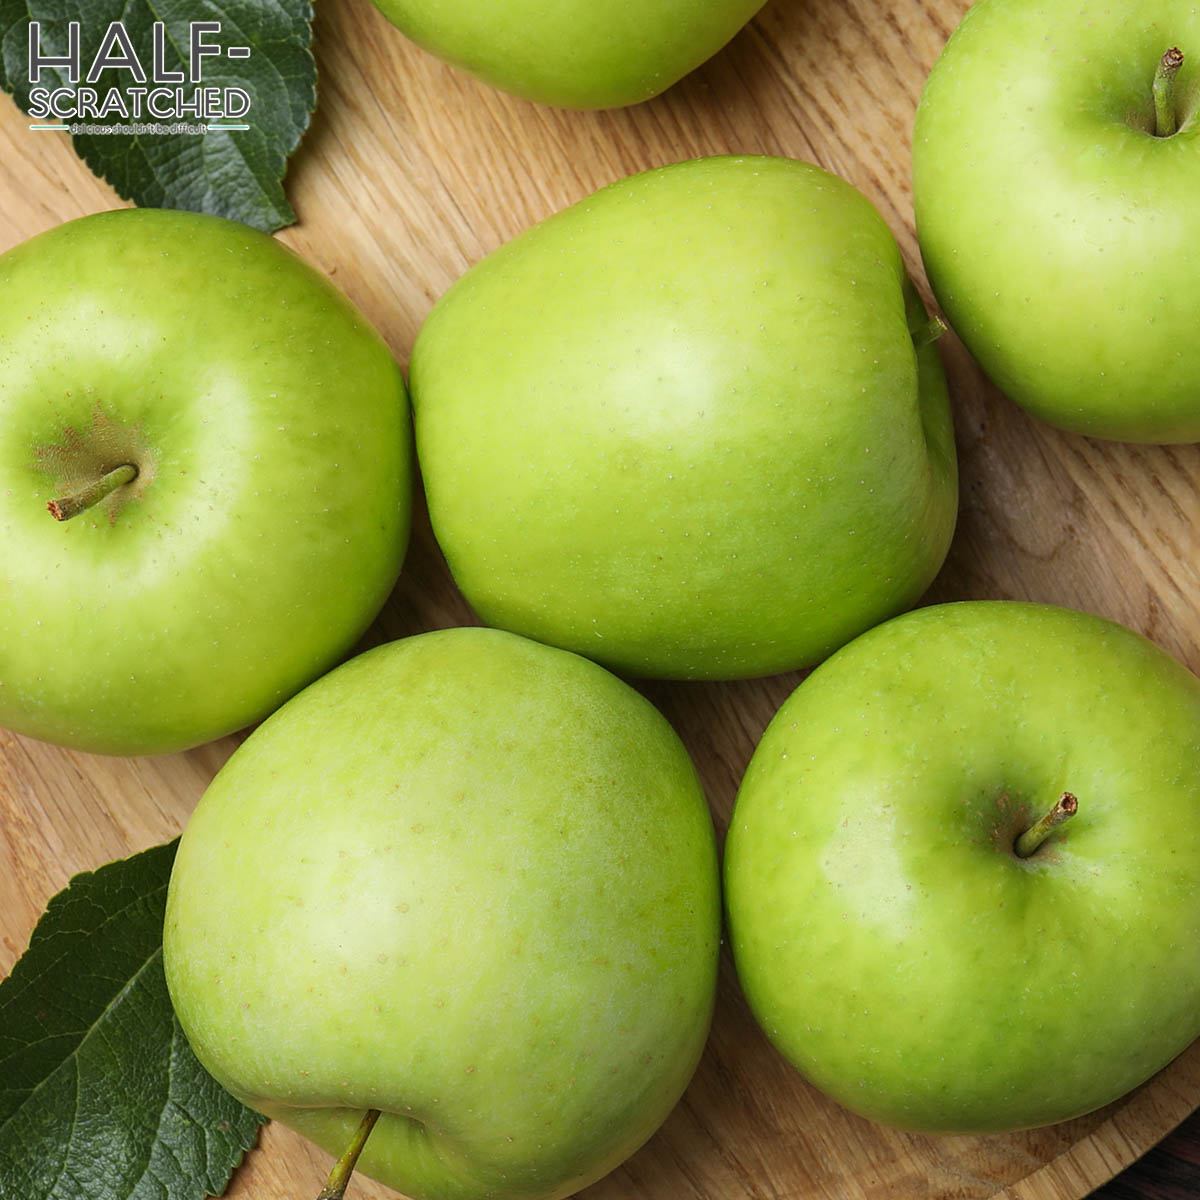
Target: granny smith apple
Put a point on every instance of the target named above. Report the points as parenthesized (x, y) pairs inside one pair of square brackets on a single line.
[(1056, 169), (226, 444), (691, 427), (573, 53), (919, 922), (468, 881)]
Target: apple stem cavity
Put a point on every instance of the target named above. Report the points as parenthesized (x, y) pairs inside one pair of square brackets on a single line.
[(339, 1177), (1165, 123), (929, 333), (1065, 807), (67, 507)]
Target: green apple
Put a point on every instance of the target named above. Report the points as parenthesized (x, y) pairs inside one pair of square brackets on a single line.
[(908, 930), (469, 881), (573, 53), (691, 427), (230, 441), (1056, 170)]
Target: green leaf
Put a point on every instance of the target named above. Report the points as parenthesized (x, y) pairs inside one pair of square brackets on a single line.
[(232, 174), (100, 1095)]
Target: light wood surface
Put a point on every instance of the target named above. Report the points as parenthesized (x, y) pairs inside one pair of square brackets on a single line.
[(410, 173)]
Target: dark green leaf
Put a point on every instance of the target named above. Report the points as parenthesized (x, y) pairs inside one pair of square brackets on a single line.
[(233, 174), (100, 1096)]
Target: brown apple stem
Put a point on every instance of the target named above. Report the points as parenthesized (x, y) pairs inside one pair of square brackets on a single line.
[(339, 1177), (928, 333), (1165, 123), (67, 507), (1065, 807)]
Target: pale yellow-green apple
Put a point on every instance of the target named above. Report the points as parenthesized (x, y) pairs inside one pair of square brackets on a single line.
[(1056, 170), (692, 426), (908, 928), (466, 880), (573, 53), (227, 443)]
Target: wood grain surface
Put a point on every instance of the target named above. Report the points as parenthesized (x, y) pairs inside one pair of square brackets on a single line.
[(1170, 1171), (412, 172)]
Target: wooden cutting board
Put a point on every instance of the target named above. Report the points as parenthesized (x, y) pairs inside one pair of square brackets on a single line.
[(410, 173)]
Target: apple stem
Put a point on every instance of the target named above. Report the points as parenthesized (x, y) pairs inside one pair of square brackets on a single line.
[(71, 506), (1165, 123), (928, 333), (339, 1177), (1065, 807)]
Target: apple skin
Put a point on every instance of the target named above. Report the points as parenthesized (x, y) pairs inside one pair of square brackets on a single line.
[(889, 941), (582, 54), (1061, 237), (681, 427), (270, 515), (468, 880)]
